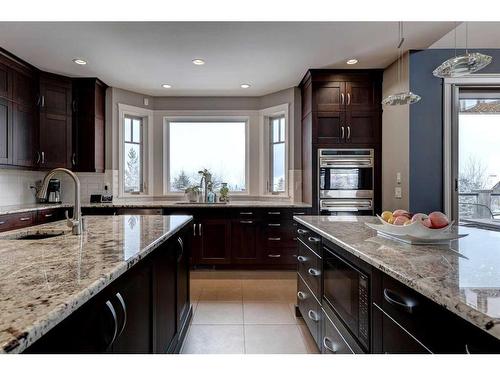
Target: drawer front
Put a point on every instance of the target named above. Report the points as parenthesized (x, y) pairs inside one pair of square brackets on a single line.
[(280, 256), (16, 221), (278, 234), (310, 238), (47, 216), (332, 341), (246, 213), (309, 268), (310, 309)]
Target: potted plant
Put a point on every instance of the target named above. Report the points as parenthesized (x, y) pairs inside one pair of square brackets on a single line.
[(192, 193)]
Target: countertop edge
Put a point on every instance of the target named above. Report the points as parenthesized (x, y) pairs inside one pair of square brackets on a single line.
[(62, 311), (458, 308)]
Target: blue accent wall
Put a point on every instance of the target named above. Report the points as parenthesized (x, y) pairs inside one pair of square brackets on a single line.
[(426, 127)]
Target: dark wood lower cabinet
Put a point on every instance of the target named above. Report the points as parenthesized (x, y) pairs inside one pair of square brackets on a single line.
[(146, 310), (244, 241)]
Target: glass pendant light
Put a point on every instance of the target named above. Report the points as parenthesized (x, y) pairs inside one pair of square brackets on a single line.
[(464, 64), (405, 97)]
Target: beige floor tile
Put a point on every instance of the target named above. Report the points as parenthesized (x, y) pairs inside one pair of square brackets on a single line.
[(270, 290), (274, 339), (221, 294), (214, 339), (311, 346), (220, 283), (210, 312), (267, 313)]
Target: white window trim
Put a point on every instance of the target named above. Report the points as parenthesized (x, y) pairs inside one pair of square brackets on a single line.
[(265, 172), (148, 154), (197, 116), (450, 102)]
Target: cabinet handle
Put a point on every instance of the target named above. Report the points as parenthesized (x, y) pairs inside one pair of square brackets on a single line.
[(73, 105), (301, 295), (313, 272), (24, 218), (348, 133), (313, 239), (342, 101), (298, 213), (43, 157), (274, 213), (348, 98), (467, 351), (313, 316), (246, 213), (302, 231), (301, 259), (246, 221), (181, 246), (111, 309), (274, 225), (124, 309), (73, 159), (194, 230), (2, 222), (48, 215), (199, 229), (404, 303), (274, 238), (342, 133), (42, 102), (326, 346), (38, 157), (274, 255)]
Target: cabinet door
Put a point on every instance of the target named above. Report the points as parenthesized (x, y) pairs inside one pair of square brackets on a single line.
[(24, 88), (5, 82), (329, 128), (362, 127), (329, 96), (183, 300), (24, 133), (360, 96), (5, 132), (164, 292), (133, 305), (55, 99), (332, 341), (215, 241), (244, 236), (55, 140)]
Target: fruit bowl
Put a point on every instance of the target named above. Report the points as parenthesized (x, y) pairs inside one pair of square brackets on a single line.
[(415, 229)]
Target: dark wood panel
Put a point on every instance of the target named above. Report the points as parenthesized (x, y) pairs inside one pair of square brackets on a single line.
[(329, 96), (55, 140), (362, 96), (25, 136), (5, 131), (25, 88), (5, 81), (329, 128), (244, 241), (216, 241), (363, 128)]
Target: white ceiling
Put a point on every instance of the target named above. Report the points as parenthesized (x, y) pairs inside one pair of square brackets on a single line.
[(480, 35), (271, 56)]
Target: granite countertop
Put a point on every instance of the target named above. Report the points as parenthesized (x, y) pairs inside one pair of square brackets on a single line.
[(12, 209), (43, 281), (463, 277)]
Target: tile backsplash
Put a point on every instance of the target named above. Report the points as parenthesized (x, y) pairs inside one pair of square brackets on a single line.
[(15, 185)]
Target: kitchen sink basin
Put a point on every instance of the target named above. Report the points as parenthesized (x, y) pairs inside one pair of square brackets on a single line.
[(39, 236)]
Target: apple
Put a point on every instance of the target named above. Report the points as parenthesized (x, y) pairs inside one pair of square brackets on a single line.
[(400, 220), (438, 220), (404, 213), (418, 217), (427, 222)]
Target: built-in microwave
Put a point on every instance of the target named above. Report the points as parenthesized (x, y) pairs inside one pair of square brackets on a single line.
[(346, 289)]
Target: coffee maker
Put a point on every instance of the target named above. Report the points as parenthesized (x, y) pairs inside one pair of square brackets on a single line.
[(54, 191)]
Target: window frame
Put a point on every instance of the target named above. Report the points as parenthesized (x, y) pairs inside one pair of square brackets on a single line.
[(272, 143), (167, 120), (147, 156), (141, 148)]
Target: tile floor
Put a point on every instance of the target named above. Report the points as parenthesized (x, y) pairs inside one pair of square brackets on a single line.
[(246, 312)]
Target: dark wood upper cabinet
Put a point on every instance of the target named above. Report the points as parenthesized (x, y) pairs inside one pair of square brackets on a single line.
[(362, 128), (362, 95), (5, 82), (55, 137), (5, 131), (329, 96), (25, 88), (25, 131), (89, 96), (329, 127)]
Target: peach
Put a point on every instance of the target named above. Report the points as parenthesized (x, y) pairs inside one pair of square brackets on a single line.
[(438, 219), (401, 213), (427, 222), (418, 217), (400, 220)]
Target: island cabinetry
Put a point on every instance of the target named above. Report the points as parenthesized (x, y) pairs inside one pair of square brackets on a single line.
[(146, 310)]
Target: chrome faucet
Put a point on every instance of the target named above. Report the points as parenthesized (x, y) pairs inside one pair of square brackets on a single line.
[(206, 178), (75, 223)]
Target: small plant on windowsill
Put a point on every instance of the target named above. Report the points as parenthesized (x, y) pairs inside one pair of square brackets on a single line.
[(192, 193)]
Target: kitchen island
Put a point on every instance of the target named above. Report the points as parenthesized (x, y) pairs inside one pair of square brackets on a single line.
[(447, 285), (45, 281)]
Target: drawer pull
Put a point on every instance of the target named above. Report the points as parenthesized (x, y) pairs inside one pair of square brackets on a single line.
[(124, 309), (301, 295), (274, 225), (299, 213), (302, 231), (302, 259), (24, 218), (274, 238), (48, 215), (274, 255), (274, 213), (246, 213), (246, 221), (313, 272), (111, 309), (314, 239), (328, 347), (2, 222), (313, 316), (404, 303)]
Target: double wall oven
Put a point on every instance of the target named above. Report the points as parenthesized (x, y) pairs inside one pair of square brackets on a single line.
[(346, 179)]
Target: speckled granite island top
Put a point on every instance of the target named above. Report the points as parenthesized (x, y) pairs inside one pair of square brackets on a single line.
[(43, 281), (463, 277)]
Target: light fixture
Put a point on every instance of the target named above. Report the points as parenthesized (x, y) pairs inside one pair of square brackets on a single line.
[(80, 61), (166, 86), (404, 97), (245, 86), (351, 61), (198, 62), (464, 64)]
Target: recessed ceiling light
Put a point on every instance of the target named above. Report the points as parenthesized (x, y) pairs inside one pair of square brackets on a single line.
[(79, 61), (352, 61), (244, 85), (198, 62), (166, 86)]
